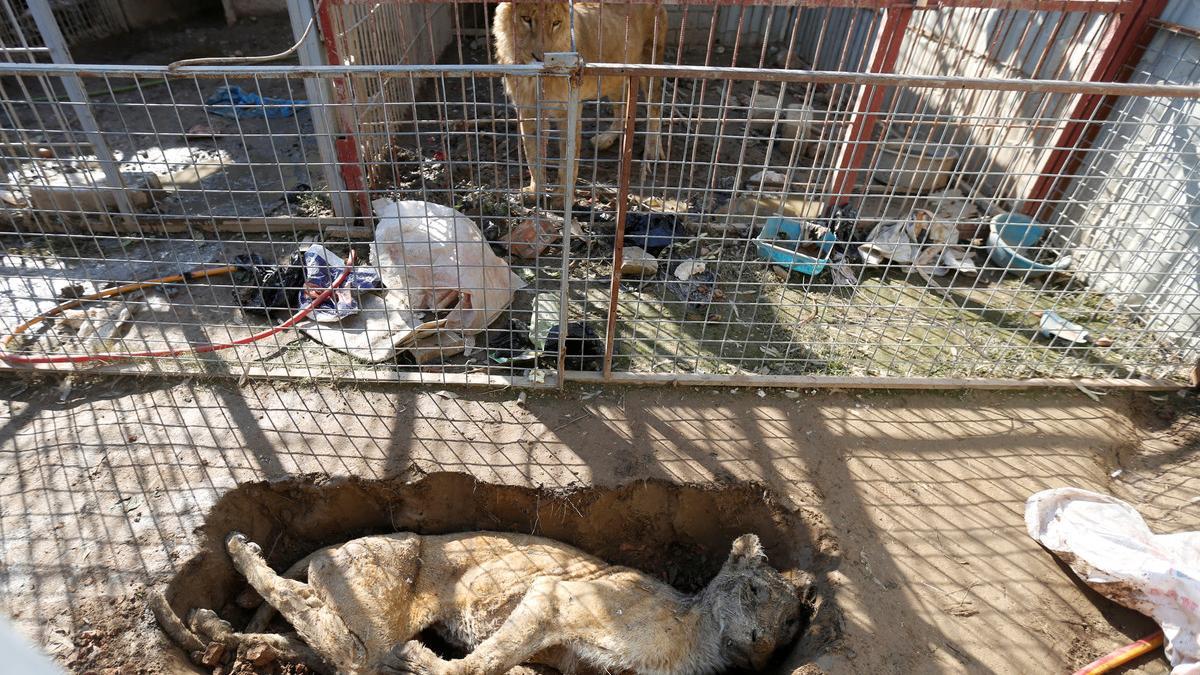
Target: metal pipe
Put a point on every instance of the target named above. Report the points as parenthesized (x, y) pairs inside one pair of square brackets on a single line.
[(570, 60), (43, 16), (318, 92), (837, 382), (626, 175), (862, 123), (622, 70)]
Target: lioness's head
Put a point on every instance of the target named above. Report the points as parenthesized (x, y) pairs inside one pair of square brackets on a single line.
[(757, 608), (525, 31)]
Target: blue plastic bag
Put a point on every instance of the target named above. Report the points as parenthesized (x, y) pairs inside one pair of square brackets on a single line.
[(234, 102)]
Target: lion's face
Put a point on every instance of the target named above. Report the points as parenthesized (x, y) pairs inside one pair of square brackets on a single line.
[(759, 608), (535, 28)]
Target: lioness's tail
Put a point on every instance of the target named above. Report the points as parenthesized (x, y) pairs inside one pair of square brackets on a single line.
[(170, 622)]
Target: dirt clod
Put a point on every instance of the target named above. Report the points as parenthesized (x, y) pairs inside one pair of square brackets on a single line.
[(214, 653), (261, 655)]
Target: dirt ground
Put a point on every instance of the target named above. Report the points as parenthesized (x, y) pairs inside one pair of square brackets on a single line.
[(919, 496)]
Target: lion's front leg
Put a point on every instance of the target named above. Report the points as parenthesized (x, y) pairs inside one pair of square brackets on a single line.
[(522, 635)]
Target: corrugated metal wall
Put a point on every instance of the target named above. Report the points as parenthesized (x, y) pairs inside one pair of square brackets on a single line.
[(1148, 255)]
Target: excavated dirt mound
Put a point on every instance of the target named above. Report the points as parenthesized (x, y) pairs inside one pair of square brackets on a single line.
[(680, 534)]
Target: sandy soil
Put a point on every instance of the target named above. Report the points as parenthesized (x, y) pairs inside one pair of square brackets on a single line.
[(926, 558)]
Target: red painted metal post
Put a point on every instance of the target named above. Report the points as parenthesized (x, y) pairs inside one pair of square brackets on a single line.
[(884, 54), (346, 144), (1123, 43)]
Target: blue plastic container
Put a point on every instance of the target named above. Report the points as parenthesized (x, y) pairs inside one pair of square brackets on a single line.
[(1011, 232), (780, 241)]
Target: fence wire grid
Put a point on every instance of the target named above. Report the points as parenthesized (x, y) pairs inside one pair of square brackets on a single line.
[(842, 192)]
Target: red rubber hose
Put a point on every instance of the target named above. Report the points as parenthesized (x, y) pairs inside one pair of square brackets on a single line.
[(20, 359), (1122, 655)]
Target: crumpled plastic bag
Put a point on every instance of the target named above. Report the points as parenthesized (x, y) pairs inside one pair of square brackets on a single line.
[(321, 268), (901, 242), (1108, 544), (439, 258), (230, 101)]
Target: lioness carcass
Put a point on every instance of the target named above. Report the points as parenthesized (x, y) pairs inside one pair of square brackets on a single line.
[(507, 599), (524, 32)]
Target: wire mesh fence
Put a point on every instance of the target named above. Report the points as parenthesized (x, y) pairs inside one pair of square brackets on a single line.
[(801, 192)]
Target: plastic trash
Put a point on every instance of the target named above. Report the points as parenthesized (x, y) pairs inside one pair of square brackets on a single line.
[(651, 232), (801, 246), (230, 101), (321, 268), (1013, 239), (440, 259), (584, 350), (1108, 544), (694, 284), (263, 289), (431, 258), (896, 242), (1054, 326)]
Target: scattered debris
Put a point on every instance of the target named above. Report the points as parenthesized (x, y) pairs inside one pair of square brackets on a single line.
[(263, 289), (321, 268), (892, 241), (529, 238), (689, 268), (1103, 342), (798, 127), (231, 101), (199, 132), (842, 275), (1109, 546), (1013, 240), (764, 108), (1056, 328), (694, 285), (800, 246), (443, 285), (583, 348), (767, 177), (651, 232), (636, 261)]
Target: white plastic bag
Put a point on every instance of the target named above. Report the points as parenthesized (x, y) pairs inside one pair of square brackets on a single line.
[(1106, 542), (441, 259)]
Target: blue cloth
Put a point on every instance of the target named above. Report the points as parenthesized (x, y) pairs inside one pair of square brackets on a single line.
[(233, 102), (321, 268)]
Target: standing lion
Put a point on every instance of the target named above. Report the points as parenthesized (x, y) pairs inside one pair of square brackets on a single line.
[(526, 32)]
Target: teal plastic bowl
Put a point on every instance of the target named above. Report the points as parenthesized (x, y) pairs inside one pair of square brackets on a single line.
[(780, 240), (1012, 232)]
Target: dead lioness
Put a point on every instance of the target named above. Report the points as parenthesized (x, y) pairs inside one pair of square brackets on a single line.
[(507, 599), (611, 33)]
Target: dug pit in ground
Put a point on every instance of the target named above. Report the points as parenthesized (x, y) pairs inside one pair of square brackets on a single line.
[(677, 534)]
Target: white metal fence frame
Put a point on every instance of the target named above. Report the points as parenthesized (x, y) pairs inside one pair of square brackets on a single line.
[(316, 81)]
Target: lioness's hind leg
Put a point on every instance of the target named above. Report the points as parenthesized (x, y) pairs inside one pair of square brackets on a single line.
[(317, 624)]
